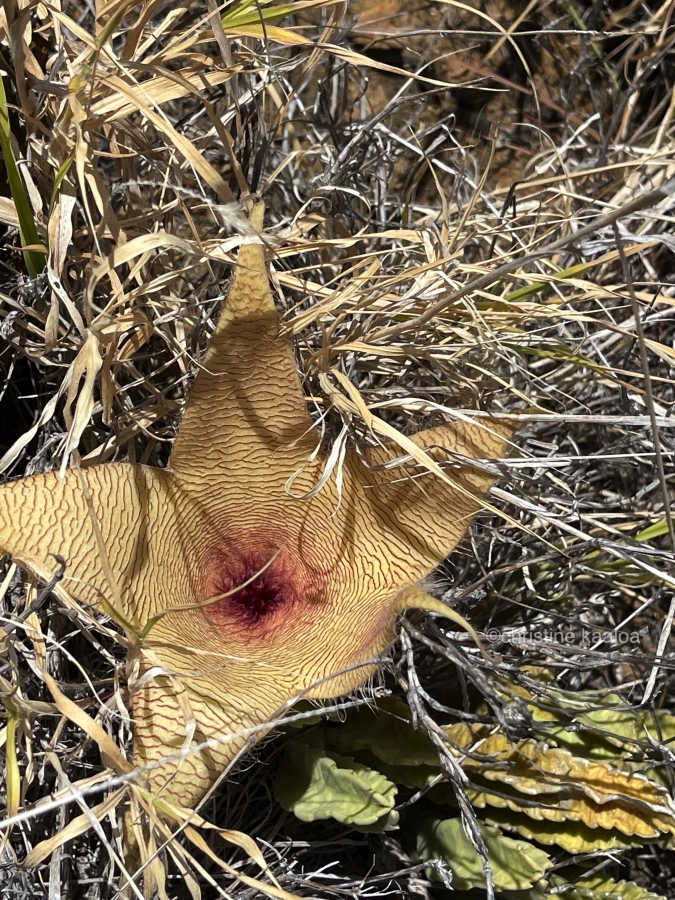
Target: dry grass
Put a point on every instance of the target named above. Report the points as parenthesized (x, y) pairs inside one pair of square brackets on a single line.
[(389, 210)]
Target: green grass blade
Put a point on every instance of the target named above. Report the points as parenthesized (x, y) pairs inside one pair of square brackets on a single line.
[(250, 13), (35, 262), (538, 286), (64, 168)]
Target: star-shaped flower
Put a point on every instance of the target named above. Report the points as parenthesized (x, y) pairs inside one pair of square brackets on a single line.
[(236, 593)]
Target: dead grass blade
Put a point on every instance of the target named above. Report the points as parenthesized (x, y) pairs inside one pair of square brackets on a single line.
[(86, 365), (73, 829), (200, 165)]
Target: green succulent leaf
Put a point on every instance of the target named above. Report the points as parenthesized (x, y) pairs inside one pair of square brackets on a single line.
[(579, 796), (314, 784), (612, 733), (618, 722), (600, 887), (516, 865), (415, 777), (574, 837), (388, 733), (625, 723)]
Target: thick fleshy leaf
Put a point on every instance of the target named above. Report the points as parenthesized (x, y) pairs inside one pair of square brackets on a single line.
[(237, 593), (314, 784), (409, 776), (544, 793), (516, 865), (608, 732), (387, 732), (573, 837), (567, 787), (600, 887)]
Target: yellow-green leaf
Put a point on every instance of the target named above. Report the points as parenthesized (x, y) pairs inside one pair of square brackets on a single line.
[(516, 865), (658, 529), (35, 261), (315, 785), (388, 733), (574, 837), (568, 787), (600, 887), (409, 776)]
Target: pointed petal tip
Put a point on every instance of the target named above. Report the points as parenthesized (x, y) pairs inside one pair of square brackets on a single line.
[(250, 295), (415, 597), (257, 216)]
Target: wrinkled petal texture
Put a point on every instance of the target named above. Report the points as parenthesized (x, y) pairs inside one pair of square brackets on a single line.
[(133, 508), (283, 595)]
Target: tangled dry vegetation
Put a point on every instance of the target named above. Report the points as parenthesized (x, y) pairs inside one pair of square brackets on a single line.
[(503, 244)]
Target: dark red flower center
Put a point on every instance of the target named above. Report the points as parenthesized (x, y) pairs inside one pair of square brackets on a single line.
[(252, 587), (257, 599)]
